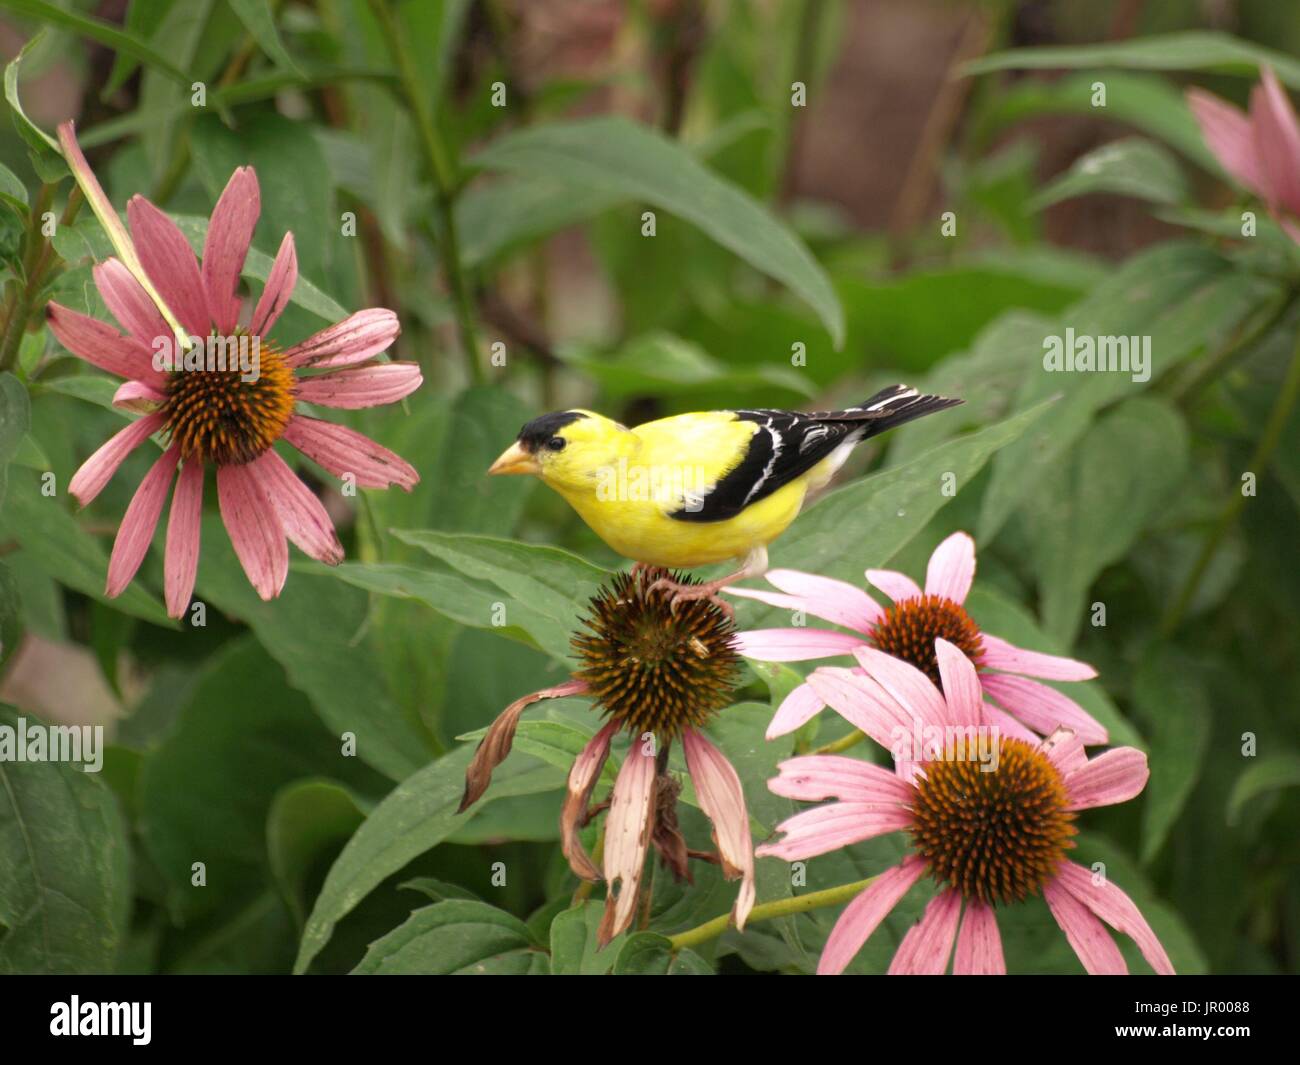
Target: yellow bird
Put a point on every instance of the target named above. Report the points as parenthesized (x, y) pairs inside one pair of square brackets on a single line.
[(700, 488)]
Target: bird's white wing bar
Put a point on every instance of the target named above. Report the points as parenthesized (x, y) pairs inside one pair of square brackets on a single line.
[(787, 444)]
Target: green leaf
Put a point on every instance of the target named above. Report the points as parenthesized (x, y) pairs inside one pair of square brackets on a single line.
[(1132, 167), (15, 421), (1144, 101), (455, 937), (1092, 512), (544, 590), (1169, 698), (46, 157), (209, 786), (316, 631), (103, 32), (416, 816), (661, 364), (260, 23), (864, 523), (291, 170), (54, 541), (143, 17), (1184, 296), (307, 820), (614, 155), (1270, 773), (574, 950), (1192, 50), (650, 954), (64, 877), (13, 191)]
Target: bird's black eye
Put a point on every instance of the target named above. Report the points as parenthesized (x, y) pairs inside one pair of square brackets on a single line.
[(556, 443)]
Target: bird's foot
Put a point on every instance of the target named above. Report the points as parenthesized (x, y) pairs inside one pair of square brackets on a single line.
[(685, 593)]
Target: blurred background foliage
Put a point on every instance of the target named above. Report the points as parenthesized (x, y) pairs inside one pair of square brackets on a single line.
[(497, 160)]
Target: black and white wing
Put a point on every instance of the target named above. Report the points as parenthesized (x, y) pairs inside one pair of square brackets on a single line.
[(787, 444)]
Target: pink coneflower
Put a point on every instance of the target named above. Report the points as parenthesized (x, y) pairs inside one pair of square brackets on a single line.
[(907, 630), (224, 417), (659, 675), (988, 837), (1261, 150)]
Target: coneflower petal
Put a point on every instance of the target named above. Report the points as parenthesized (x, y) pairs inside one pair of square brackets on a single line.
[(582, 780), (723, 799), (627, 837)]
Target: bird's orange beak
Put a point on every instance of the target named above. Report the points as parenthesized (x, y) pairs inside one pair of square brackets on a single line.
[(515, 460)]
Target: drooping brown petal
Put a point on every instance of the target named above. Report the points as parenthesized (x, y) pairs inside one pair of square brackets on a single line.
[(582, 779), (667, 838), (494, 747), (723, 800), (627, 836)]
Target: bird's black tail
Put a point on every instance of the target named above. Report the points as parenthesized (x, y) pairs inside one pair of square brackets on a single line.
[(898, 405)]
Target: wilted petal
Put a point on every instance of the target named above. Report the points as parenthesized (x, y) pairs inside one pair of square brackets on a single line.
[(344, 452), (138, 524), (254, 528), (358, 337), (723, 800), (582, 781), (627, 836), (495, 745)]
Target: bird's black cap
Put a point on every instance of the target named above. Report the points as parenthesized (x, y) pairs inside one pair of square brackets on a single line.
[(533, 435)]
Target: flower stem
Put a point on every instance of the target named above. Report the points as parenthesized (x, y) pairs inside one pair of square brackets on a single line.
[(842, 744), (1257, 463), (22, 296), (442, 172), (768, 910), (1188, 386)]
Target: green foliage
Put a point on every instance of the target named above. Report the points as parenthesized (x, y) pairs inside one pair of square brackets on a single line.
[(281, 784)]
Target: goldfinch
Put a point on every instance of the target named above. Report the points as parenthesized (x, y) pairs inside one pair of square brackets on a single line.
[(700, 488)]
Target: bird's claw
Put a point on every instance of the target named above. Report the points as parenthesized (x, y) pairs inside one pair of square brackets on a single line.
[(688, 592)]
